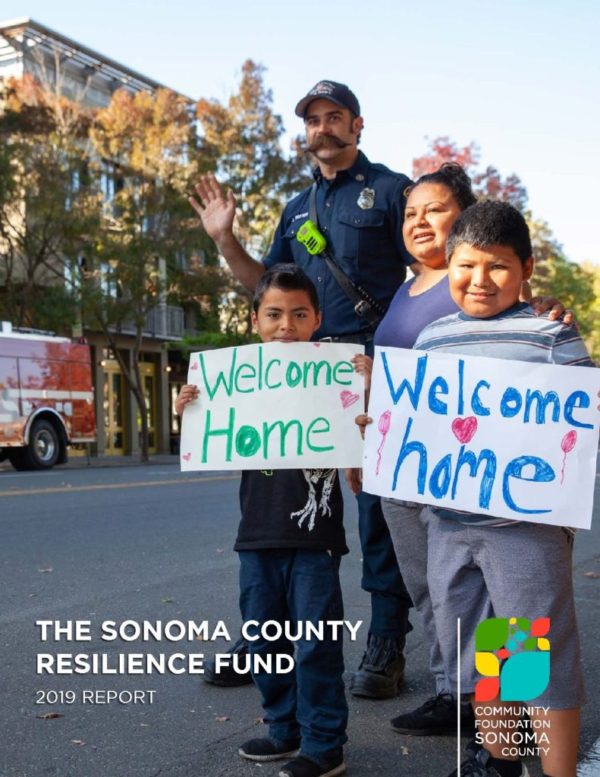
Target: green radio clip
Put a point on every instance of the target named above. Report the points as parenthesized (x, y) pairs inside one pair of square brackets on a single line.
[(310, 237)]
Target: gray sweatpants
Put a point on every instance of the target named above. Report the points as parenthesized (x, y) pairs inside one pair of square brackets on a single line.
[(407, 522), (519, 570)]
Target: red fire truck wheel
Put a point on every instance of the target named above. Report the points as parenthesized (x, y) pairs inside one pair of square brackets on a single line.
[(43, 450)]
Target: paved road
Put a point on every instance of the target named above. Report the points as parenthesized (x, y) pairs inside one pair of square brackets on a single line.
[(126, 542)]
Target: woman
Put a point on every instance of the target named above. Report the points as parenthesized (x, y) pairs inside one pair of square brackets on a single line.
[(433, 205)]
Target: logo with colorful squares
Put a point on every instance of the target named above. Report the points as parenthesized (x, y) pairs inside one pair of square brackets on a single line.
[(513, 655)]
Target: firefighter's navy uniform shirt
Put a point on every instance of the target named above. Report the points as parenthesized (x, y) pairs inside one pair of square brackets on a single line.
[(365, 241)]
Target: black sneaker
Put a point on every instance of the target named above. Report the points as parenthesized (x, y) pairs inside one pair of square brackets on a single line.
[(267, 749), (381, 671), (436, 716), (306, 767), (478, 766), (227, 676)]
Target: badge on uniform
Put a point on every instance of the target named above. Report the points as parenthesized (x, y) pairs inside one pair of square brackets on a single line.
[(366, 199)]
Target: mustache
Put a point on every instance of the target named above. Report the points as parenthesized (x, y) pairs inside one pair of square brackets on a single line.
[(325, 141)]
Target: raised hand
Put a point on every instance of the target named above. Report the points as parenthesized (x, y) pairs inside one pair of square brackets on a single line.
[(215, 207), (217, 211)]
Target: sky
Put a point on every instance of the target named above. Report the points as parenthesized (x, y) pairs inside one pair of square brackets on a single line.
[(521, 78)]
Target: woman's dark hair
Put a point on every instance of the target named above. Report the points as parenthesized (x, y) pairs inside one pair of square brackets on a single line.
[(454, 178), (288, 277)]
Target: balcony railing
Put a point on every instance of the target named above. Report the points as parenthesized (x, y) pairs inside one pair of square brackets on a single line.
[(164, 322)]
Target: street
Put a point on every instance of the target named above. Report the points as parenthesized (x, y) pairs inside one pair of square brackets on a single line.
[(125, 542)]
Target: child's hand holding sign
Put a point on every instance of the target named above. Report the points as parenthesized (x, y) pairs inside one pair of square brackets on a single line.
[(189, 393)]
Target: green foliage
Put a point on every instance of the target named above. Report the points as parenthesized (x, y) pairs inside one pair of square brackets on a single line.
[(204, 340), (572, 284), (592, 314), (93, 210), (147, 220), (45, 214), (578, 288), (56, 308), (108, 188), (241, 142)]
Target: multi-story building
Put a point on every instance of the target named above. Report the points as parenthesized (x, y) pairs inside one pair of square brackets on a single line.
[(27, 47)]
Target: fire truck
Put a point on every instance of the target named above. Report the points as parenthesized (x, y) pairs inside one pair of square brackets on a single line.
[(46, 397)]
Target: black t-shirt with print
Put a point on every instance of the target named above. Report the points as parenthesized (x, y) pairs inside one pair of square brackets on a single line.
[(291, 508)]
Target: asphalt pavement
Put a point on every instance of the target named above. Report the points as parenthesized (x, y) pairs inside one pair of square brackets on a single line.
[(111, 540)]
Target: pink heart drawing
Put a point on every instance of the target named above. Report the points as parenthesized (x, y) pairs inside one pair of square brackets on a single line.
[(186, 456), (317, 345), (194, 366), (464, 428), (348, 398)]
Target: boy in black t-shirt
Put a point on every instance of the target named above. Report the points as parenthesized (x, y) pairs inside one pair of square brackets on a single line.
[(290, 541)]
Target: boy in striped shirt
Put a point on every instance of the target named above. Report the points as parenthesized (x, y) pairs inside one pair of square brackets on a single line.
[(480, 566)]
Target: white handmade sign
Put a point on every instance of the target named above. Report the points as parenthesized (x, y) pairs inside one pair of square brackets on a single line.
[(500, 438), (275, 406)]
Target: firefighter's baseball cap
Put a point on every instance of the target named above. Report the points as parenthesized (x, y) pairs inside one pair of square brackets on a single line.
[(336, 93)]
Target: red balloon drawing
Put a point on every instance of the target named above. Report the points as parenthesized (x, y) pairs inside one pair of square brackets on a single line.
[(567, 444), (383, 426)]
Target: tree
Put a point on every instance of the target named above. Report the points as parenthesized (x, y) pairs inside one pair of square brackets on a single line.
[(592, 314), (95, 227), (576, 286), (44, 160), (487, 182), (241, 141), (94, 223), (143, 141)]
